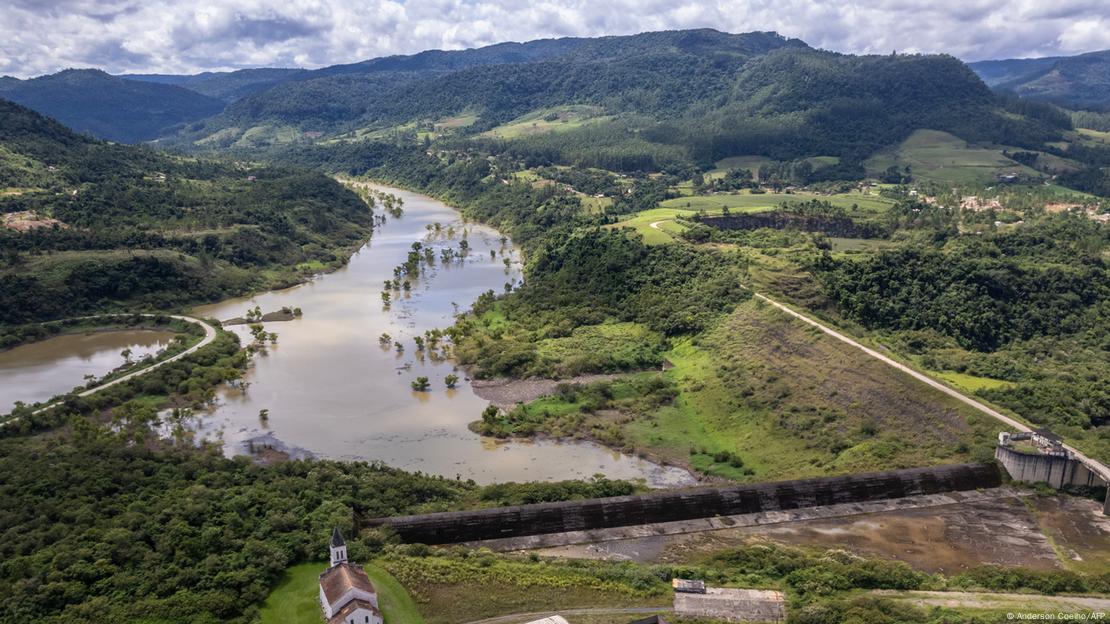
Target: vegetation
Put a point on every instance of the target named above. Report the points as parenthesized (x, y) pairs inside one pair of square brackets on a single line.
[(139, 230), (1025, 306), (108, 107), (176, 533), (296, 599)]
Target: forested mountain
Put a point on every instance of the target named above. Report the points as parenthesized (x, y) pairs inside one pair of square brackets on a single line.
[(108, 107), (1081, 81), (673, 98), (94, 226), (226, 86), (996, 72), (652, 73)]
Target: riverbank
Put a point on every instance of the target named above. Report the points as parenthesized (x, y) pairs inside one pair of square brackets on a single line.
[(332, 387), (173, 353), (505, 393)]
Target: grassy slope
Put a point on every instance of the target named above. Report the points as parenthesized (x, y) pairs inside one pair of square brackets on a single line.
[(296, 600), (665, 216), (449, 590), (793, 402), (540, 122), (942, 157), (788, 400)]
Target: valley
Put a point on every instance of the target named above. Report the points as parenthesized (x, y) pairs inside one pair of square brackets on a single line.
[(683, 304)]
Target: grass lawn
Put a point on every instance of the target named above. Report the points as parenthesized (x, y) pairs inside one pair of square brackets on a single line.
[(971, 383), (942, 157), (296, 600)]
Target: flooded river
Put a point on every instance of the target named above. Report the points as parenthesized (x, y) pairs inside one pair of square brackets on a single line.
[(40, 370), (333, 390)]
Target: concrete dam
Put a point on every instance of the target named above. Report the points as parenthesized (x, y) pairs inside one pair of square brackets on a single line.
[(691, 504)]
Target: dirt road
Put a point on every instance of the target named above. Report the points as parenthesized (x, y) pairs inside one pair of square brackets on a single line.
[(209, 336), (1097, 467)]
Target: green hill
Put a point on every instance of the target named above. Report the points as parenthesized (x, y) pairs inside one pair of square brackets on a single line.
[(226, 86), (1081, 81), (108, 107), (94, 226), (661, 100)]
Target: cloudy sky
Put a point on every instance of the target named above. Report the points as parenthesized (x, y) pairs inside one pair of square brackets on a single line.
[(186, 36)]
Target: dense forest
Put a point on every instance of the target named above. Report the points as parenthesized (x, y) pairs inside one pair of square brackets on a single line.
[(108, 107), (98, 530), (113, 227)]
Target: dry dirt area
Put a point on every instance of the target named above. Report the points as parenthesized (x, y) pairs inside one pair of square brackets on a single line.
[(950, 538), (506, 393), (26, 220), (1077, 529)]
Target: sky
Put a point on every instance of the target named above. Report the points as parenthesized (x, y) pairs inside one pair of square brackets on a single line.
[(189, 36)]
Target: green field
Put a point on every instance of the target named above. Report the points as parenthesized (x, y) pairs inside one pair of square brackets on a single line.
[(557, 119), (296, 600), (465, 587), (658, 225), (942, 157), (267, 135), (971, 383), (753, 163)]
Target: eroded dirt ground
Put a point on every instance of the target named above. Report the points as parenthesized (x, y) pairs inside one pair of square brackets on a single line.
[(1007, 531), (1078, 530)]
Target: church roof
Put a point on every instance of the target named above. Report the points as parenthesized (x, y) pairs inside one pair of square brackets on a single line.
[(336, 538), (349, 608), (338, 580)]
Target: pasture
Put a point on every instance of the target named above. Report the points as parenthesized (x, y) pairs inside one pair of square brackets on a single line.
[(942, 157), (659, 225), (557, 119)]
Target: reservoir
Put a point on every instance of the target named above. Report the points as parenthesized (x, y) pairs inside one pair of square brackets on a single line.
[(41, 370), (332, 389)]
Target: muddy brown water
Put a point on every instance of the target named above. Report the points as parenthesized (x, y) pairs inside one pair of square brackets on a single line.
[(332, 390), (41, 370)]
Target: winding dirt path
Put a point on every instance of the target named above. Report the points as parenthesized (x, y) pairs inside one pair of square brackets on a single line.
[(209, 335), (1097, 467)]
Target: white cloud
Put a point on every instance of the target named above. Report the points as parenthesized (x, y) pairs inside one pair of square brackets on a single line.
[(42, 36)]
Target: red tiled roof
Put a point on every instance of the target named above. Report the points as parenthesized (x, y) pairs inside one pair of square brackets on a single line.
[(350, 608), (337, 580)]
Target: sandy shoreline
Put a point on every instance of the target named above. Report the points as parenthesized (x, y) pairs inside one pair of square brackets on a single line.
[(506, 393)]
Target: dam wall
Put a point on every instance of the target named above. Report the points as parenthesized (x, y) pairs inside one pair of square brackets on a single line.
[(1055, 470), (674, 505)]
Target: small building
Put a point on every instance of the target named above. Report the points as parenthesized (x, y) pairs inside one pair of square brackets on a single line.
[(687, 586), (346, 594), (732, 605)]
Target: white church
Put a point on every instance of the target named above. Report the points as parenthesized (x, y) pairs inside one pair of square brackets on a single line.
[(346, 594)]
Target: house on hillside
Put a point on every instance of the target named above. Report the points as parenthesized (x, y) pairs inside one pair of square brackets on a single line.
[(346, 594)]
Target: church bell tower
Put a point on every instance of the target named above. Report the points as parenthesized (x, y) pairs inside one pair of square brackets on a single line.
[(338, 548)]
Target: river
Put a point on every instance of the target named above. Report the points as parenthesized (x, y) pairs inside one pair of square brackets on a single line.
[(41, 370), (333, 390)]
